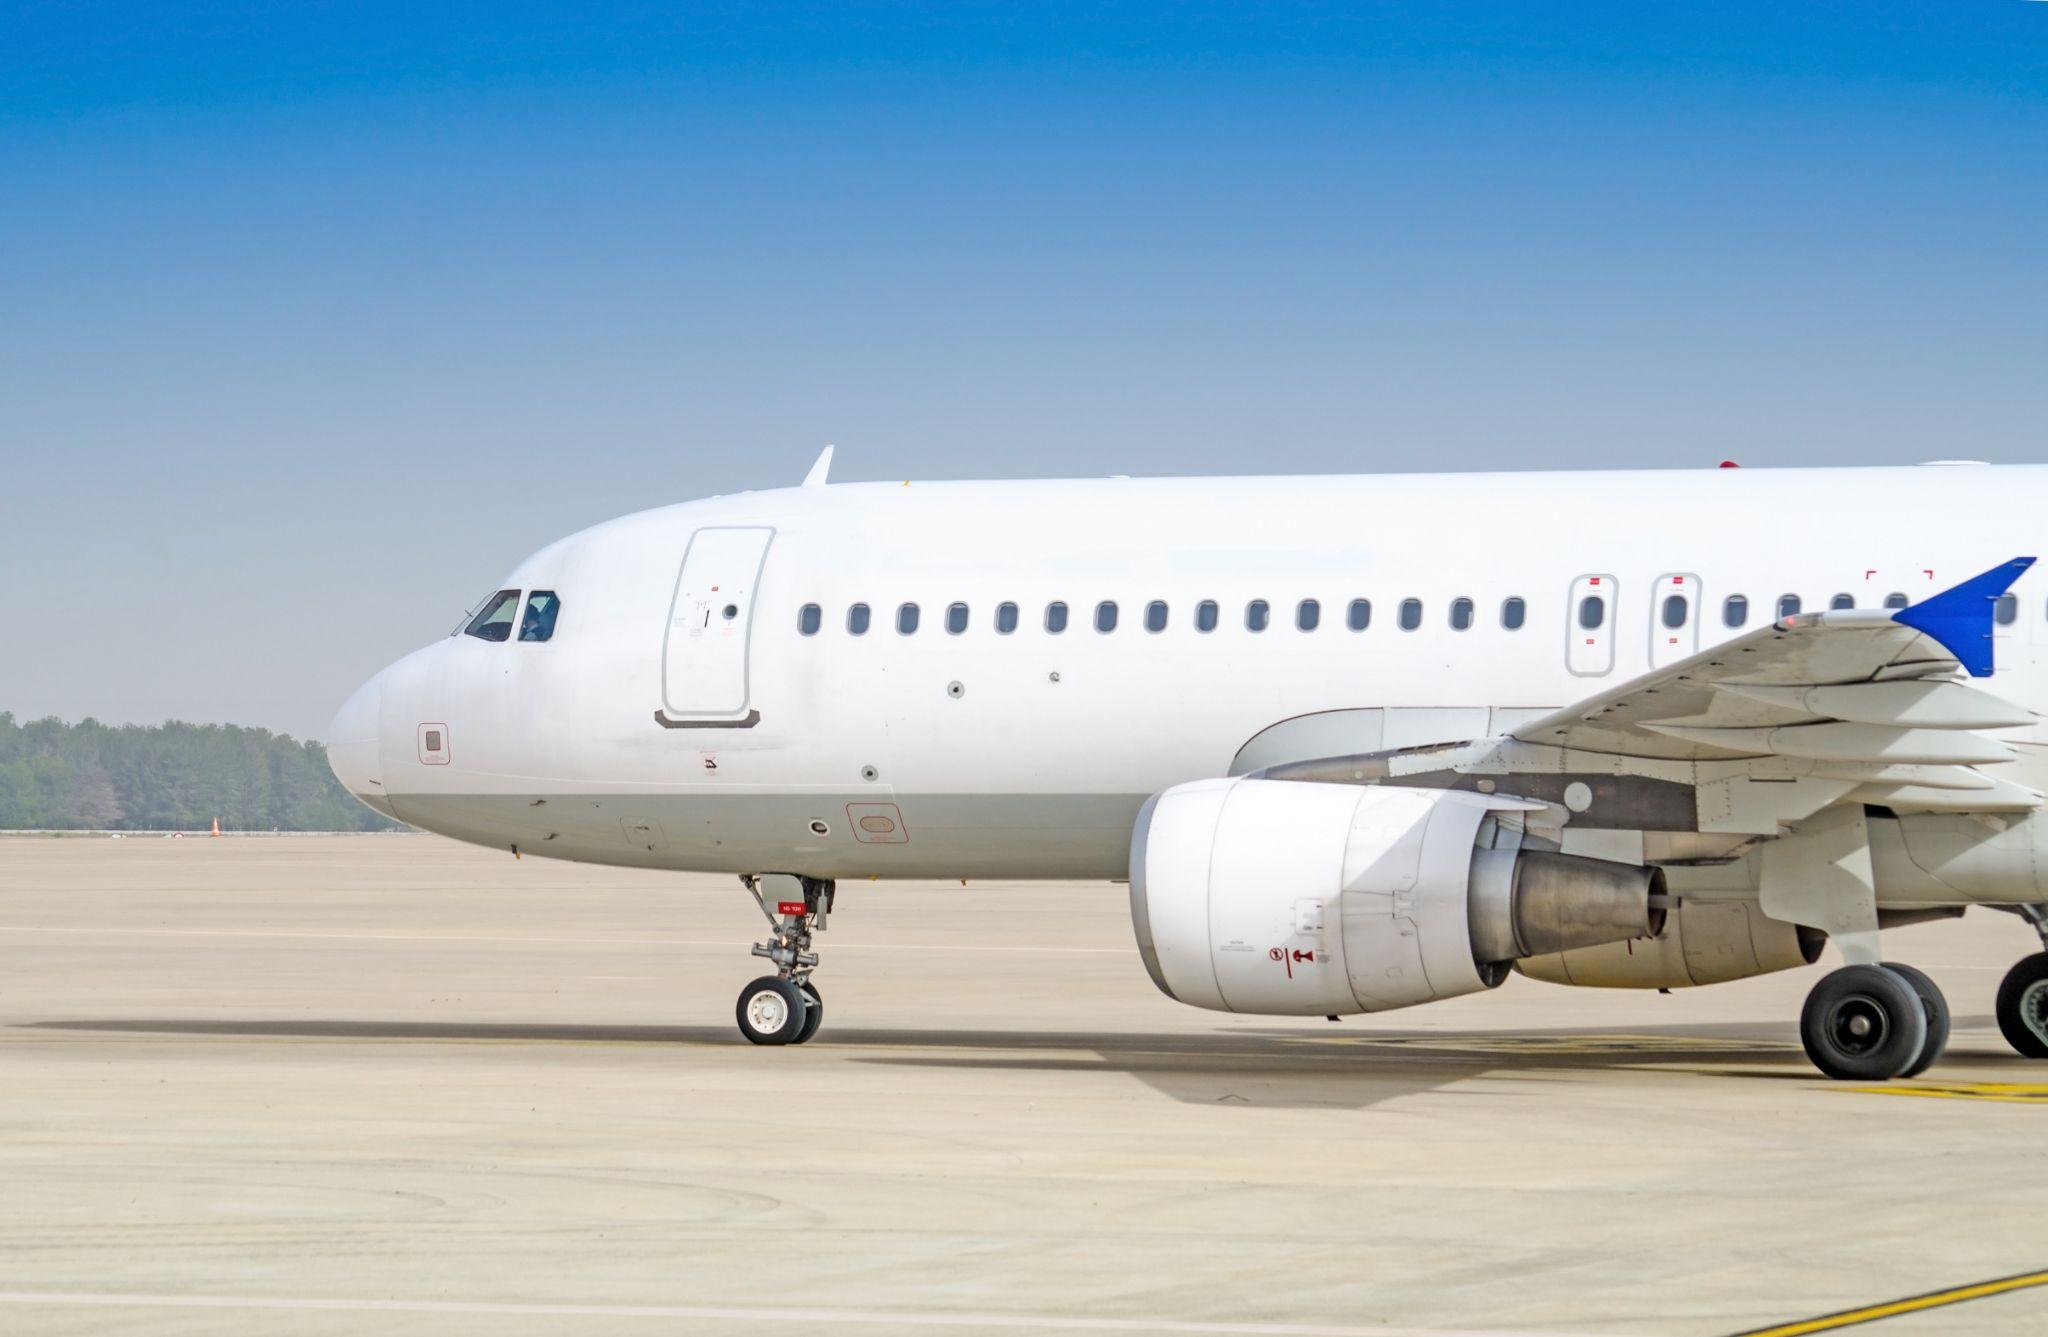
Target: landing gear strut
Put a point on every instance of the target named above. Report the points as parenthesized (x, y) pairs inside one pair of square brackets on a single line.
[(1868, 1021), (785, 1008), (2023, 995), (1871, 1023)]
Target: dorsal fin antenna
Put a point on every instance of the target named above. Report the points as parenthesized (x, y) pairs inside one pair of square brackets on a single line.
[(817, 476)]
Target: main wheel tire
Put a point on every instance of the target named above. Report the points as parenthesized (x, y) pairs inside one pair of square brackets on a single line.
[(2023, 1005), (1863, 1023), (814, 1012), (771, 1011), (1936, 1007)]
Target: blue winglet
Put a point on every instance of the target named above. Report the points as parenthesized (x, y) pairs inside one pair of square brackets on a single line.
[(1960, 618)]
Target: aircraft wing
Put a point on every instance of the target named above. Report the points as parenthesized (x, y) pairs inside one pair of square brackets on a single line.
[(1854, 705), (1854, 686)]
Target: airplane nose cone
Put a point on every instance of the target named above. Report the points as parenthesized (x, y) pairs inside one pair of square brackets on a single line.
[(354, 745)]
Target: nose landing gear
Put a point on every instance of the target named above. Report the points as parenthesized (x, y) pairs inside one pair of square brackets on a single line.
[(785, 1008)]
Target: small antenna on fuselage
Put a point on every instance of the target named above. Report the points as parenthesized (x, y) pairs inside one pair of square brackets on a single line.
[(817, 476)]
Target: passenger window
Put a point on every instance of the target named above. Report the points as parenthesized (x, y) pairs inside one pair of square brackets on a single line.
[(1257, 614), (1359, 615), (906, 619), (809, 618), (1788, 605), (1006, 619), (494, 621), (1895, 600), (542, 608), (1205, 615), (1308, 615), (2007, 610), (1513, 614), (1411, 614), (1592, 612), (1055, 618), (1734, 610), (1842, 601), (1461, 614), (857, 620), (1155, 615), (1105, 616), (1674, 612), (956, 619)]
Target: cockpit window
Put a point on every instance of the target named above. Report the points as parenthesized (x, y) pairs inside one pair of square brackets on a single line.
[(494, 621), (542, 607)]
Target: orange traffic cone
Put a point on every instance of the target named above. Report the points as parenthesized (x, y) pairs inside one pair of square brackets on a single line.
[(216, 826)]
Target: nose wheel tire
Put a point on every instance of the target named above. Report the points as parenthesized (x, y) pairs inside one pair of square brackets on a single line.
[(773, 1011), (1863, 1023), (2023, 1006), (1935, 1006)]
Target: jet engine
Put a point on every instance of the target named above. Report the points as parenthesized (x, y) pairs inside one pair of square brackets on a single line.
[(1291, 898)]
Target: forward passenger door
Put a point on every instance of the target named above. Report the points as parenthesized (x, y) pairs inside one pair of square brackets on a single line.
[(704, 662)]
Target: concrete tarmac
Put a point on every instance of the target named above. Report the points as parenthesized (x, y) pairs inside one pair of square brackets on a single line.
[(397, 1085)]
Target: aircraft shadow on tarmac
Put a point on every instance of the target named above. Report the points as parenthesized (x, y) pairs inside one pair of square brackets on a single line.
[(1250, 1066)]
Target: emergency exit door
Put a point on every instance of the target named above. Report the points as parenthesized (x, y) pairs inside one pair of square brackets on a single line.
[(704, 671), (1674, 619), (1589, 626)]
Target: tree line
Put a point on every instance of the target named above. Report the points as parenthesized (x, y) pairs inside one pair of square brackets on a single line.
[(169, 777)]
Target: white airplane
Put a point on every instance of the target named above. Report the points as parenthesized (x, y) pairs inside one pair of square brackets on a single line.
[(1356, 743)]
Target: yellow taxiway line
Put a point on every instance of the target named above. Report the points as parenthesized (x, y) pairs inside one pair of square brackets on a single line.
[(2021, 1093), (1912, 1304)]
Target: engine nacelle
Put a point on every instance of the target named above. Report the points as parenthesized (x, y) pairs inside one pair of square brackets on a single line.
[(1703, 942), (1291, 898)]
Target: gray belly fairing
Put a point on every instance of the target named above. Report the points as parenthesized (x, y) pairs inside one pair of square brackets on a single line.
[(930, 835)]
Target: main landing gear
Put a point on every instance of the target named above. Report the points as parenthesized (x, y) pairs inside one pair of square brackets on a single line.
[(2023, 995), (1874, 1022), (785, 1008)]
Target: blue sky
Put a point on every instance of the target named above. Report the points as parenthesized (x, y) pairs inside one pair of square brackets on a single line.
[(315, 318)]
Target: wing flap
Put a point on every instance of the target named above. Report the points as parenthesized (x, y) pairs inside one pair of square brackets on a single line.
[(2000, 796), (1921, 777), (1841, 741), (1914, 703)]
